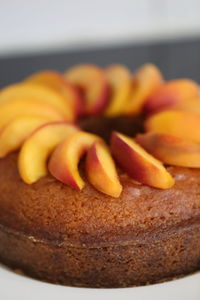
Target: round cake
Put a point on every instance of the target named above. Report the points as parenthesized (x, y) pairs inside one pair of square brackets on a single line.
[(99, 176)]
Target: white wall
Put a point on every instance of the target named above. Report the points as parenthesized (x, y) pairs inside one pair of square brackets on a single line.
[(29, 25)]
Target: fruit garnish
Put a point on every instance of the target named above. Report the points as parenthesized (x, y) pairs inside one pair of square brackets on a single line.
[(64, 161), (101, 170), (19, 108), (145, 82), (37, 148), (14, 133), (29, 92), (92, 82), (120, 81), (139, 164), (59, 83), (173, 94), (182, 124), (171, 150)]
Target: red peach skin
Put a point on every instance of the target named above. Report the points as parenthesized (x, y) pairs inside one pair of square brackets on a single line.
[(139, 164)]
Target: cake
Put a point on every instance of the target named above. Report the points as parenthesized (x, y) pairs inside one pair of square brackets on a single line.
[(99, 176)]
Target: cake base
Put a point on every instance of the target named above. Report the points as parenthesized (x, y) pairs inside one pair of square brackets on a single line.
[(151, 260)]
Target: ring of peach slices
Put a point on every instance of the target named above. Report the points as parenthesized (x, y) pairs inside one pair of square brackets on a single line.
[(38, 116)]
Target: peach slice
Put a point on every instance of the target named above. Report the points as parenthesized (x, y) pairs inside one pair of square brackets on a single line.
[(9, 111), (192, 105), (139, 164), (120, 81), (15, 133), (170, 149), (37, 148), (178, 123), (63, 163), (35, 92), (145, 82), (92, 82), (101, 170), (172, 94), (58, 83)]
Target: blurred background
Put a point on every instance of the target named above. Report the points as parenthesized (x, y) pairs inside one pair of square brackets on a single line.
[(55, 34)]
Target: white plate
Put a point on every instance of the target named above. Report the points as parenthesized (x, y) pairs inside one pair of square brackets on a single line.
[(17, 287)]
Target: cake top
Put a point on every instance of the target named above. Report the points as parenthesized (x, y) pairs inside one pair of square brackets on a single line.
[(39, 117)]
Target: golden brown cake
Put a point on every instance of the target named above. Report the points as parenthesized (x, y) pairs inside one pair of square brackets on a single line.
[(147, 231)]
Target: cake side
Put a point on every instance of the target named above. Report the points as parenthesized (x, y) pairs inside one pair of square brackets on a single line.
[(144, 262)]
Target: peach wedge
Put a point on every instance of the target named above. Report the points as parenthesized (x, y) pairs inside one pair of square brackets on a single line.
[(174, 93), (58, 83), (145, 82), (170, 149), (91, 81), (15, 133), (37, 148), (9, 111), (192, 105), (63, 163), (120, 81), (182, 124), (139, 164), (35, 92), (101, 170)]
